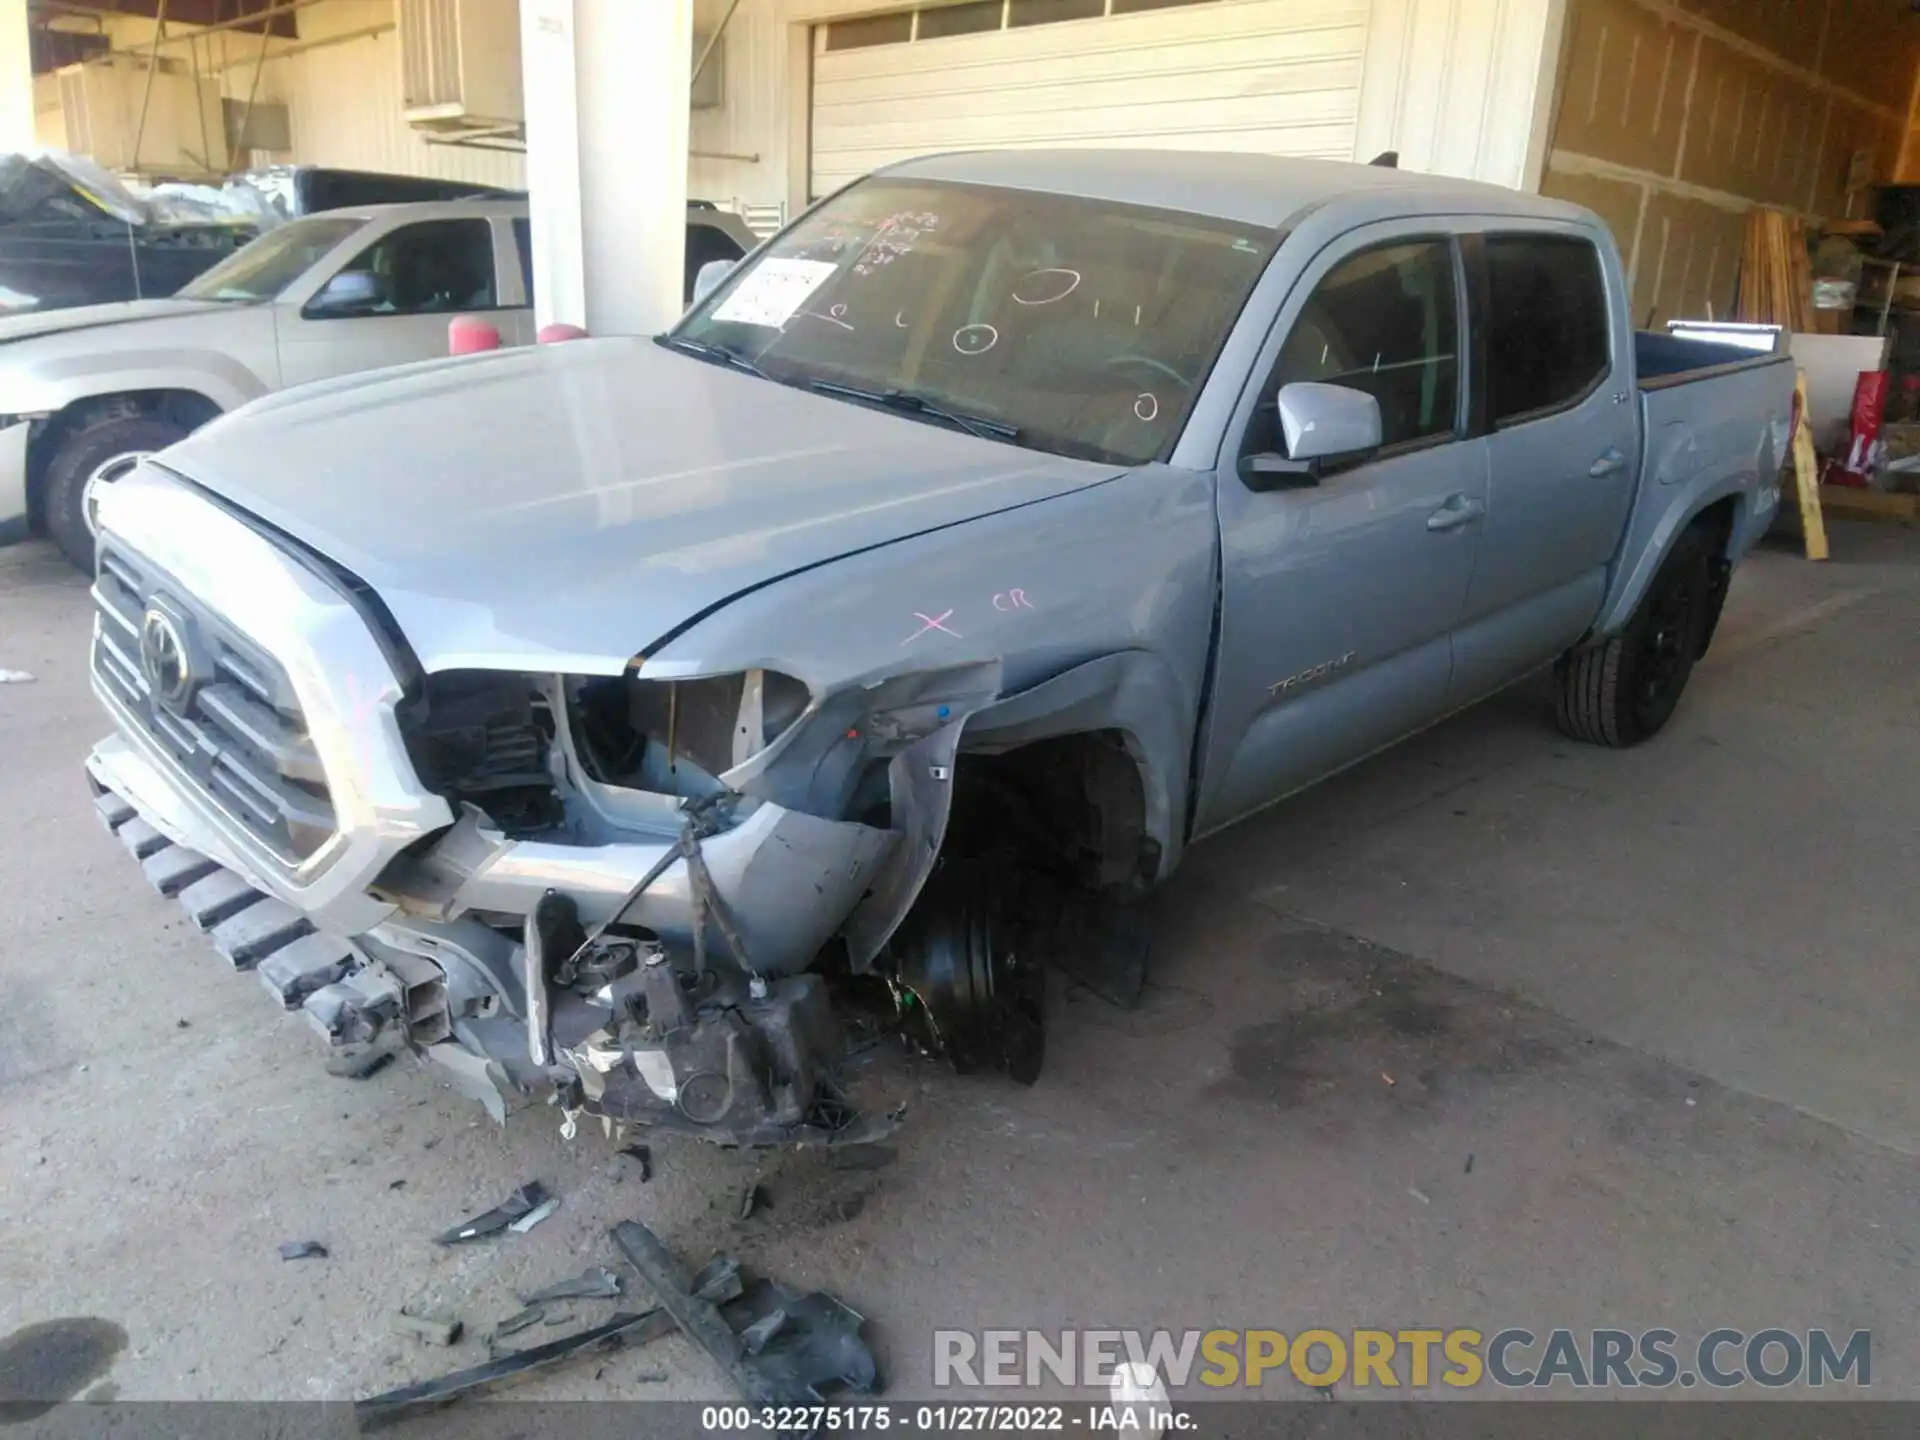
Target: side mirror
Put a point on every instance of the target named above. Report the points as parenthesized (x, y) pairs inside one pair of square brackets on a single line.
[(707, 278), (351, 292), (1324, 427)]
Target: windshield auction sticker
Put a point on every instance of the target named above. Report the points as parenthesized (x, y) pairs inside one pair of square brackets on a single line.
[(772, 291)]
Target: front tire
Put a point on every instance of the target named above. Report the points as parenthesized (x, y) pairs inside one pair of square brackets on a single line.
[(1622, 690), (98, 452)]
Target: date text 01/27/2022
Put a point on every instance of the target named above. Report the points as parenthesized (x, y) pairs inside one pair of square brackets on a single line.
[(972, 1419)]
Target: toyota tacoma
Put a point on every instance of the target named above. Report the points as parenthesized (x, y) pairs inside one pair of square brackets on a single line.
[(590, 719)]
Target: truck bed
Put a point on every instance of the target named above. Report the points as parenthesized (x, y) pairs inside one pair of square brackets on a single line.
[(1662, 361)]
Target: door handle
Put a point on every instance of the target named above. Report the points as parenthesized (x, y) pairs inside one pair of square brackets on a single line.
[(1612, 462), (1459, 510)]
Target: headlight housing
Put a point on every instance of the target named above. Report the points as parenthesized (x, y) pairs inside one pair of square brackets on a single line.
[(644, 733)]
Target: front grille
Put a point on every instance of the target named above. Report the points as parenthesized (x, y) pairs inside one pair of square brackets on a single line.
[(238, 735)]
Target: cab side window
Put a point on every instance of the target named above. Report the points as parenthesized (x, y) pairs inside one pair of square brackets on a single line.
[(523, 243), (429, 268), (1547, 322), (1385, 321)]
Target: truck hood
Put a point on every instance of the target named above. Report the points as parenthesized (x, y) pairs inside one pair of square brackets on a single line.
[(31, 325), (564, 507)]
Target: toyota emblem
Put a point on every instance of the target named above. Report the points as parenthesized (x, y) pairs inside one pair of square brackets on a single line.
[(163, 655)]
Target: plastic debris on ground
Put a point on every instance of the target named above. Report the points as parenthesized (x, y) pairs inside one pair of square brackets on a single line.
[(533, 1217), (428, 1329), (598, 1283), (302, 1250), (530, 1199), (775, 1345), (521, 1320)]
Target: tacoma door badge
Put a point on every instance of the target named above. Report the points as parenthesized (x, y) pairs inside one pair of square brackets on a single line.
[(1310, 674)]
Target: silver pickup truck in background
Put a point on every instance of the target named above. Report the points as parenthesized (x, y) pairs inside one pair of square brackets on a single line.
[(87, 392), (591, 718)]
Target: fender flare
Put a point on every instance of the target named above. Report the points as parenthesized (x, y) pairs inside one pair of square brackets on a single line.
[(1130, 691), (223, 381), (1631, 584)]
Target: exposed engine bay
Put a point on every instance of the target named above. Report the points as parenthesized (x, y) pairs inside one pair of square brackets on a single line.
[(643, 889), (709, 1035), (706, 996)]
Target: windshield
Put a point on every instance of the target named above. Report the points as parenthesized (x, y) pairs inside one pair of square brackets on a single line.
[(260, 271), (1085, 326)]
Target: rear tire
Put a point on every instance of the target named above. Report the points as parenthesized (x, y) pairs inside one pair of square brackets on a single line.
[(1622, 690), (97, 452)]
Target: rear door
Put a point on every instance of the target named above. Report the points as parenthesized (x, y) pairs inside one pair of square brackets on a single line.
[(391, 303), (1339, 598), (1562, 446)]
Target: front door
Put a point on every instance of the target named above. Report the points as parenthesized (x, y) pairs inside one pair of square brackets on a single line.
[(1339, 598), (391, 303)]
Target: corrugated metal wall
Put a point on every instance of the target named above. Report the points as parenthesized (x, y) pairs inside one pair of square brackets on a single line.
[(1451, 83), (741, 149), (1277, 76), (1461, 87), (1457, 86), (344, 102)]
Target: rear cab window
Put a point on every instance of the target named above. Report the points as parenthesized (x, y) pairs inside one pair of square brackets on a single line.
[(1548, 325)]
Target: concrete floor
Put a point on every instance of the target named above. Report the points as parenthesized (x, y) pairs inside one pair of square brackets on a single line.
[(1665, 1000)]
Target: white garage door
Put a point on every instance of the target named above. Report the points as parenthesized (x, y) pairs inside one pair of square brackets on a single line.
[(1279, 76)]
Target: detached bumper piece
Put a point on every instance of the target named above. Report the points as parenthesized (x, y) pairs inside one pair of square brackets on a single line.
[(779, 1348), (615, 1024), (355, 1001), (246, 926)]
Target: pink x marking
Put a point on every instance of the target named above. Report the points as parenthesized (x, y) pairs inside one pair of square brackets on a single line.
[(931, 622)]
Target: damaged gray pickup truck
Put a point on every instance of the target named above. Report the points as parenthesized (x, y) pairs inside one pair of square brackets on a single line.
[(595, 719)]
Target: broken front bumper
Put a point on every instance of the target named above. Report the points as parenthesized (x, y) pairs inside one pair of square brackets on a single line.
[(788, 878), (431, 975), (259, 773)]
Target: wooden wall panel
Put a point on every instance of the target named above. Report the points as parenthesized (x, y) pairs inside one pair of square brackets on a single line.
[(1872, 49), (1767, 104), (1789, 28), (1852, 127), (1615, 201), (1689, 260), (1753, 130), (1623, 96)]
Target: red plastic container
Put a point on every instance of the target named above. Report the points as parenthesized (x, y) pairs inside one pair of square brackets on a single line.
[(1862, 457)]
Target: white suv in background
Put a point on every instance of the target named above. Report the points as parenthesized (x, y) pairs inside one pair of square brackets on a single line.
[(85, 393)]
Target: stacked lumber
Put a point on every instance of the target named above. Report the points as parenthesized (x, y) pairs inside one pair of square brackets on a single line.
[(1776, 277)]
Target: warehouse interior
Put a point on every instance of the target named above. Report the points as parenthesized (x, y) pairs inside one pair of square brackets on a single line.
[(1584, 1036), (1668, 117)]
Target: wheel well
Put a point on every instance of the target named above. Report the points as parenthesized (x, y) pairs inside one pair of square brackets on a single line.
[(187, 408), (1717, 519), (1073, 806), (1717, 522)]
